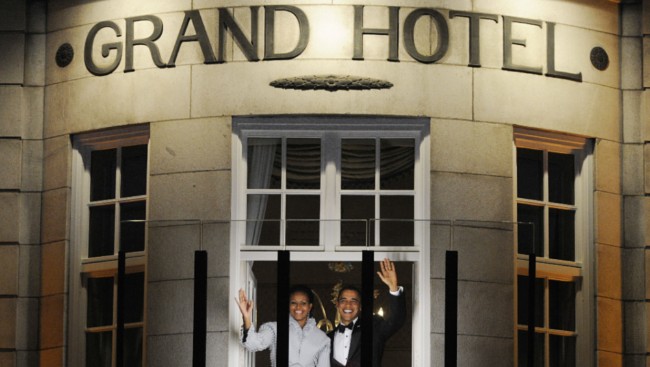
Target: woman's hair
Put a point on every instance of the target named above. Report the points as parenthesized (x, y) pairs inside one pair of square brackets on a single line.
[(302, 289)]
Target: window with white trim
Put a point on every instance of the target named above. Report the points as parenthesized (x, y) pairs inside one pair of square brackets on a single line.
[(326, 188), (110, 180), (553, 208)]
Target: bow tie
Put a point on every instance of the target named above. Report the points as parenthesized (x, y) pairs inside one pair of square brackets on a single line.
[(341, 328)]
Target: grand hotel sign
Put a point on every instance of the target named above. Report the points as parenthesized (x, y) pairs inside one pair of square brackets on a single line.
[(119, 45)]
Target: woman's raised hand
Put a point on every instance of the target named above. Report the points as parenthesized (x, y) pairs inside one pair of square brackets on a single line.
[(245, 307)]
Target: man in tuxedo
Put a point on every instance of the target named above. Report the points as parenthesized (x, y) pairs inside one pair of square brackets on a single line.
[(346, 338)]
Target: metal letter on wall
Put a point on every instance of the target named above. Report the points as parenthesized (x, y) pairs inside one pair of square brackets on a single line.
[(474, 33), (409, 35), (550, 57), (508, 42), (106, 49), (392, 32), (269, 32), (201, 36), (227, 22), (147, 42)]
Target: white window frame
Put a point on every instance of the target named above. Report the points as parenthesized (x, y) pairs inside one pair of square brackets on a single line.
[(79, 263), (580, 270), (353, 127)]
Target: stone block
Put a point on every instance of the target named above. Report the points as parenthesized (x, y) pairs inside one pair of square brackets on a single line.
[(484, 254), (217, 349), (471, 147), (459, 196), (12, 59), (633, 128), (27, 358), (609, 325), (35, 64), (8, 358), (219, 300), (480, 351), (631, 19), (8, 322), (52, 268), (32, 115), (646, 167), (635, 327), (29, 271), (191, 195), (27, 324), (52, 357), (9, 206), (546, 103), (12, 15), (170, 307), (631, 62), (609, 261), (193, 145), (51, 321), (32, 165), (9, 273), (216, 240), (170, 350), (30, 218), (437, 350), (486, 309), (633, 261), (609, 359), (633, 174), (10, 160), (11, 111), (171, 251), (438, 306), (56, 162), (608, 218), (608, 158), (55, 219)]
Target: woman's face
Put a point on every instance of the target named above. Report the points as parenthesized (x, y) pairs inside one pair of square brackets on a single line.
[(299, 307)]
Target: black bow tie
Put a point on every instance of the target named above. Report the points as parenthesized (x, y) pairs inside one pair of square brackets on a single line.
[(341, 328)]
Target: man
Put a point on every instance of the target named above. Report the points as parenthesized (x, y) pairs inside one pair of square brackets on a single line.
[(346, 339)]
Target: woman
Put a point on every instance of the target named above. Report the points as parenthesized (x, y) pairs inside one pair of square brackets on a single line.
[(308, 345)]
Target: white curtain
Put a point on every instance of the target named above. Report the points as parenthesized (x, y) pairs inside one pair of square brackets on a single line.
[(261, 155)]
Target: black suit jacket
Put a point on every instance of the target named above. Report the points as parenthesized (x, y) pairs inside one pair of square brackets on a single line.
[(383, 329)]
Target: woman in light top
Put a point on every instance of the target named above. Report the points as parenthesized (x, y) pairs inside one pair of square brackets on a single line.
[(308, 345)]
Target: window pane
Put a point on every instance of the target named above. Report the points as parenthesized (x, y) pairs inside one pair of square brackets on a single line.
[(99, 349), (522, 301), (102, 174), (263, 220), (303, 164), (101, 233), (358, 166), (397, 164), (134, 170), (561, 172), (355, 232), (264, 163), (561, 234), (563, 351), (522, 344), (303, 231), (530, 173), (100, 302), (133, 297), (562, 305), (132, 234), (530, 233), (396, 225), (133, 347)]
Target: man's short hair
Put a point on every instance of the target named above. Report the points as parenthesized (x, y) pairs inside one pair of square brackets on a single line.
[(349, 287)]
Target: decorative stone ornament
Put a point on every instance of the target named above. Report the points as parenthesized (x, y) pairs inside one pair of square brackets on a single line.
[(599, 58), (64, 55), (331, 83)]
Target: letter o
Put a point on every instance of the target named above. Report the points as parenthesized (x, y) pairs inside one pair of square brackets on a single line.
[(409, 35)]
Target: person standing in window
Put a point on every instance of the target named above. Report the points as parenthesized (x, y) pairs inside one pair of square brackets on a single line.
[(308, 345), (346, 338)]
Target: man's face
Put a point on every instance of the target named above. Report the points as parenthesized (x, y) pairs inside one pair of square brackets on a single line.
[(348, 305)]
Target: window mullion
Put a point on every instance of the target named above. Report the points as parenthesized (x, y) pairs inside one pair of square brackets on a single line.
[(545, 199), (118, 197)]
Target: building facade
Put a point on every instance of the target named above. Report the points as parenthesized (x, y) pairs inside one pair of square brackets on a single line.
[(497, 129)]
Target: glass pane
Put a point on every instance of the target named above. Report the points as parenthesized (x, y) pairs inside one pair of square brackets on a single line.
[(529, 234), (101, 233), (355, 232), (305, 212), (530, 173), (522, 301), (132, 234), (133, 347), (303, 164), (263, 220), (563, 351), (561, 173), (522, 346), (397, 164), (133, 297), (100, 302), (102, 174), (562, 305), (264, 163), (396, 227), (561, 239), (134, 170), (358, 166), (99, 349)]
